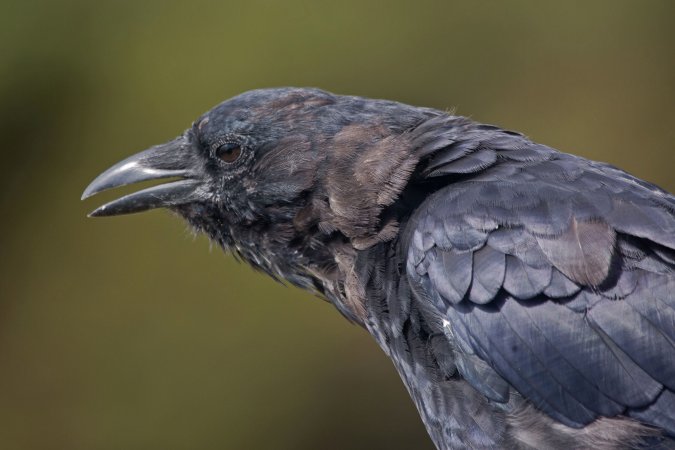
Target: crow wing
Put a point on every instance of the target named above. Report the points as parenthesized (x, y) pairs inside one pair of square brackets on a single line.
[(556, 271)]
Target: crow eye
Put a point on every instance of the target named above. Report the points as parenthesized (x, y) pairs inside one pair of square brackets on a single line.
[(229, 152)]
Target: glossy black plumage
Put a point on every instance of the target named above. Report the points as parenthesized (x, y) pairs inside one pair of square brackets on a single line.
[(524, 295)]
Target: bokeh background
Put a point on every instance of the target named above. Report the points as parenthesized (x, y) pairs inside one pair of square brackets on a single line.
[(130, 333)]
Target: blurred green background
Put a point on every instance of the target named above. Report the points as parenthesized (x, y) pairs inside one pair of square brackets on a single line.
[(128, 333)]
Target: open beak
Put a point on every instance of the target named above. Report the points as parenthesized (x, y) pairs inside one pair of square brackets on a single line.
[(170, 160)]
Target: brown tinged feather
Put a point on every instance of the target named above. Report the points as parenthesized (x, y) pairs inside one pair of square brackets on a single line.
[(583, 252)]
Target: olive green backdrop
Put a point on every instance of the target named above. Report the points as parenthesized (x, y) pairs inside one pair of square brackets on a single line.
[(130, 333)]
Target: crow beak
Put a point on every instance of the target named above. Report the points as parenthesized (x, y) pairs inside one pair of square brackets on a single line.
[(168, 160)]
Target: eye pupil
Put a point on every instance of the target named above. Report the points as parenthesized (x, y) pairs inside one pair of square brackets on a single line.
[(229, 152)]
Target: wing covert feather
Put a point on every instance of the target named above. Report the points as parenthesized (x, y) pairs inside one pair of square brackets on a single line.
[(555, 276)]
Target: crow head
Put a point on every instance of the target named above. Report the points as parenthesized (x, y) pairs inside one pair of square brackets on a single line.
[(290, 180)]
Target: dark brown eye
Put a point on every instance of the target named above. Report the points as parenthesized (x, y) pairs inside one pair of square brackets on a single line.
[(229, 152)]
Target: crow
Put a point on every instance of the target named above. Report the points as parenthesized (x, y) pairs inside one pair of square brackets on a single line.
[(525, 296)]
